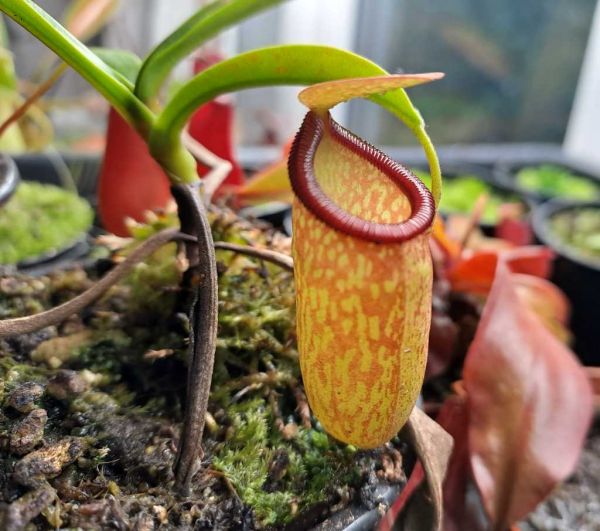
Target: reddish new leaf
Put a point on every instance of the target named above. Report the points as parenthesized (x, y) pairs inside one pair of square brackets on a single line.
[(131, 181), (547, 302), (530, 405), (476, 273), (515, 231), (462, 507)]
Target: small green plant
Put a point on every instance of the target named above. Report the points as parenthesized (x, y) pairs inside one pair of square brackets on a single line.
[(39, 219), (555, 181), (461, 193), (579, 229)]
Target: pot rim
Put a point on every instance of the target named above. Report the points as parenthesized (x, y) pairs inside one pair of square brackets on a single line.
[(541, 227), (9, 178)]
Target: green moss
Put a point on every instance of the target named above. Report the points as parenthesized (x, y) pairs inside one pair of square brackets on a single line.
[(39, 219), (580, 230), (462, 192), (22, 296), (555, 181), (313, 465)]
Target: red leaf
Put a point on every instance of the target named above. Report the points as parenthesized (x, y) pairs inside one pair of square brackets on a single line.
[(515, 231), (131, 181), (462, 512), (530, 406), (443, 336), (546, 301), (530, 260), (389, 521), (476, 273)]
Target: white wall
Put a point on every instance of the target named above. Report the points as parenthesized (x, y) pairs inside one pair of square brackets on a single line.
[(330, 22), (582, 141)]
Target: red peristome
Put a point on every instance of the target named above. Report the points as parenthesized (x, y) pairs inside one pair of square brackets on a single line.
[(308, 191)]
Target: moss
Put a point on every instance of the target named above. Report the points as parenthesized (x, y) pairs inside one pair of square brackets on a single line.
[(314, 465), (245, 461), (39, 219), (579, 229), (555, 181), (462, 192), (151, 282), (23, 296)]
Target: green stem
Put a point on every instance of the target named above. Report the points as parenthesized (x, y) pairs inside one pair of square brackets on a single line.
[(81, 59), (278, 65), (204, 24), (432, 159)]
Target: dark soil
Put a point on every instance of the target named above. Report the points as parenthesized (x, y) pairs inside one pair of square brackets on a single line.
[(576, 503)]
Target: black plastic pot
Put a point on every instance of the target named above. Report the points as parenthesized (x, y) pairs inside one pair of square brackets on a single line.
[(54, 168), (578, 276), (273, 212), (10, 176), (505, 173)]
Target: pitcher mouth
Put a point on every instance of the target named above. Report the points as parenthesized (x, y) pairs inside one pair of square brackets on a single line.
[(309, 192)]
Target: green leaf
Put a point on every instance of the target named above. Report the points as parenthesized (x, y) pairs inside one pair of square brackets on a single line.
[(278, 65), (8, 76), (82, 59), (4, 40), (203, 25), (123, 62)]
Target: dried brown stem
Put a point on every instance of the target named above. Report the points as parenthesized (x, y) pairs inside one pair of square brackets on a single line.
[(302, 406), (33, 97), (56, 315), (274, 257), (260, 378), (201, 282), (276, 410), (474, 220)]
